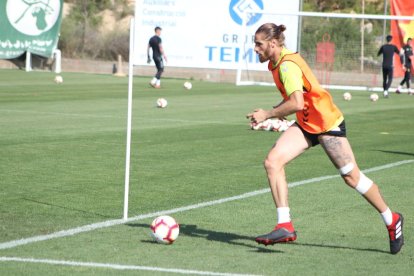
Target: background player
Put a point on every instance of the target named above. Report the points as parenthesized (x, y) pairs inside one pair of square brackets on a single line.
[(155, 43), (406, 54), (387, 50)]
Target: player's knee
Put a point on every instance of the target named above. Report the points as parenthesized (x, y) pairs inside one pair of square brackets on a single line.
[(347, 169), (267, 163), (271, 164), (348, 175), (364, 184)]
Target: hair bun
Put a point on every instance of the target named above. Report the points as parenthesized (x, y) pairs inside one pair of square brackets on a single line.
[(281, 28)]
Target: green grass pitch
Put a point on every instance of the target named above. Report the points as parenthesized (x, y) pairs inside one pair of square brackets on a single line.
[(62, 166)]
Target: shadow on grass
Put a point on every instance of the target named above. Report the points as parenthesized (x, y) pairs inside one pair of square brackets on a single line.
[(65, 207), (397, 152), (191, 230), (333, 246)]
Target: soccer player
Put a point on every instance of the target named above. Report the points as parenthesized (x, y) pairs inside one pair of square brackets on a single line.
[(387, 50), (155, 43), (406, 54), (319, 121)]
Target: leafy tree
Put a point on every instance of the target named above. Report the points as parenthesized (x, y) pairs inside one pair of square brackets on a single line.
[(80, 34), (345, 33)]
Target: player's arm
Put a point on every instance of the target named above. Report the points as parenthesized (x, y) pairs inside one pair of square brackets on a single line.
[(148, 54), (380, 51), (396, 50), (291, 77), (294, 103), (162, 52), (402, 58)]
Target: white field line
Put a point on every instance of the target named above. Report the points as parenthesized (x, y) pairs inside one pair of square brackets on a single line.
[(116, 266), (109, 223)]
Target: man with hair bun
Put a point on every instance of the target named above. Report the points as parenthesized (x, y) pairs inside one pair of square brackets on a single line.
[(319, 121)]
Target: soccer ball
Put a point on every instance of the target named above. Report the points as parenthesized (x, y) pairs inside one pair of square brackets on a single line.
[(347, 96), (161, 103), (58, 79), (374, 97), (188, 85), (164, 229)]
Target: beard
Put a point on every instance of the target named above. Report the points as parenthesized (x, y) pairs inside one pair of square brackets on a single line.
[(263, 58)]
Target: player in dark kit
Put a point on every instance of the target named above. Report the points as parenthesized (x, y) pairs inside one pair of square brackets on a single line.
[(387, 50), (406, 54), (158, 54)]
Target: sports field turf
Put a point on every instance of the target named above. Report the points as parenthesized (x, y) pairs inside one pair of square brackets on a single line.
[(62, 165)]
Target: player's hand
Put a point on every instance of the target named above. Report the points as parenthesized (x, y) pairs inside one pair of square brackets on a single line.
[(404, 68), (149, 60), (257, 116)]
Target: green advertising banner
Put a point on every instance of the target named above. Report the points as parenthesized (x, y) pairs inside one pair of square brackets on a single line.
[(29, 25)]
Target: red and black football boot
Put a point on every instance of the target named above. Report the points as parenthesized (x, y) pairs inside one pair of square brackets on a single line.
[(395, 232), (282, 233)]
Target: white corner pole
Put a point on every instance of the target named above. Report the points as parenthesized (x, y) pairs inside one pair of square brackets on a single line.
[(28, 61), (58, 61), (242, 46), (129, 119)]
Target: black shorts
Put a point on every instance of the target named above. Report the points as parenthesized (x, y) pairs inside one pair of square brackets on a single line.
[(313, 138), (158, 62)]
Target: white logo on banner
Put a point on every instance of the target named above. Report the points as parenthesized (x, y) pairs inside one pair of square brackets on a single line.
[(33, 17), (239, 8)]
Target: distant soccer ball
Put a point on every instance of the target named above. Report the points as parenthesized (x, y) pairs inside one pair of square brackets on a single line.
[(347, 96), (374, 97), (188, 85), (164, 229), (161, 103), (58, 79)]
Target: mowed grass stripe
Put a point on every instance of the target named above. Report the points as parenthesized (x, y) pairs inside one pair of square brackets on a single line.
[(109, 223)]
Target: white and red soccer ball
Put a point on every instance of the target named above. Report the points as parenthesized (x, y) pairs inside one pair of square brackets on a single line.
[(188, 85), (164, 229), (58, 79), (347, 96), (374, 97), (161, 103)]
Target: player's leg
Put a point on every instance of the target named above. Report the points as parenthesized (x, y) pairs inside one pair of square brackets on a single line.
[(340, 153), (409, 81), (154, 79), (290, 145), (160, 68), (399, 88), (389, 73), (384, 79), (156, 83), (406, 78)]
